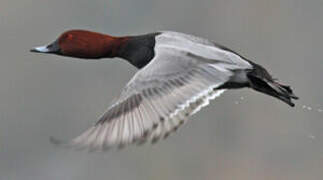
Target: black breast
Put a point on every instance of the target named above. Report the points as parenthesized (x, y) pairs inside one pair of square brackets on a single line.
[(139, 50)]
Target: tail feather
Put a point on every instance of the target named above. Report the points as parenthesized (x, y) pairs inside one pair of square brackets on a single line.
[(260, 80)]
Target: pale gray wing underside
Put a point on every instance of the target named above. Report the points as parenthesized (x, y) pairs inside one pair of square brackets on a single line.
[(157, 100)]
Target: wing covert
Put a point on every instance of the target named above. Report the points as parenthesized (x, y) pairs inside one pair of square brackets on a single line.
[(157, 100)]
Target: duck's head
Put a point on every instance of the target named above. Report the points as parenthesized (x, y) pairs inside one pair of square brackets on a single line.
[(83, 44)]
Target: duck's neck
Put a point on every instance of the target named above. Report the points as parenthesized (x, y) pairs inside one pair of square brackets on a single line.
[(137, 50)]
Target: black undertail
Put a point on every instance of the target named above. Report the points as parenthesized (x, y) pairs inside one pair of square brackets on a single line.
[(261, 81)]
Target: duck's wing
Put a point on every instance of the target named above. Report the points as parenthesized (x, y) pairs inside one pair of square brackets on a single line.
[(157, 100)]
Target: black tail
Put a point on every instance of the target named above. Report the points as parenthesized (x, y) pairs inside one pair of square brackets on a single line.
[(260, 80)]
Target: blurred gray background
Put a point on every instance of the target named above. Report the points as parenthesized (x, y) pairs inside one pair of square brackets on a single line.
[(254, 137)]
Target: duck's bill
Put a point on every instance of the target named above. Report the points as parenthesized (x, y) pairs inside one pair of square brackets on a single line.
[(52, 48), (40, 49)]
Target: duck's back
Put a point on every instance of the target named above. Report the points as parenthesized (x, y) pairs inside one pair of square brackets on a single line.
[(189, 45)]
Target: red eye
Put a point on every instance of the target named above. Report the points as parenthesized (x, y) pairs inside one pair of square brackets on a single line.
[(69, 36)]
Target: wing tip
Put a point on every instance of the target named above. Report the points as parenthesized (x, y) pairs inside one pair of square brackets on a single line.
[(60, 143), (55, 141), (77, 147)]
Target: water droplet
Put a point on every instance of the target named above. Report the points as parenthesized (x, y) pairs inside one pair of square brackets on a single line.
[(236, 102), (316, 108), (242, 98), (311, 136)]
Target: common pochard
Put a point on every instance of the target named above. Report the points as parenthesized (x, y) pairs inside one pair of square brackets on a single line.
[(178, 75)]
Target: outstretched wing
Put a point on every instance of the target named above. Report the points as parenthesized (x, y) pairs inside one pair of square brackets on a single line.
[(157, 100)]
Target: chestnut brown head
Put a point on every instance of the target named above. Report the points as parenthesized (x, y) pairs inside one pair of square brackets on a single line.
[(83, 44)]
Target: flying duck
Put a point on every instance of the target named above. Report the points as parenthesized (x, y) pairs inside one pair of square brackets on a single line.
[(178, 75)]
